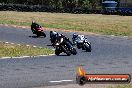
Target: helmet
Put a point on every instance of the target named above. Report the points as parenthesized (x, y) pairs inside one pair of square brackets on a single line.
[(53, 32), (75, 35), (33, 21), (62, 35), (59, 34)]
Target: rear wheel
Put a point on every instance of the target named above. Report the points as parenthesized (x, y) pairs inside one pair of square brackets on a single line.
[(68, 53), (57, 52)]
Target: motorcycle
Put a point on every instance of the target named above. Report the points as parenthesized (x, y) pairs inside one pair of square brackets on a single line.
[(81, 42), (64, 46), (38, 30), (86, 46), (78, 40)]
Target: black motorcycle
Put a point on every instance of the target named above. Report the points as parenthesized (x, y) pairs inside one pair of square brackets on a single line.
[(63, 46), (38, 30)]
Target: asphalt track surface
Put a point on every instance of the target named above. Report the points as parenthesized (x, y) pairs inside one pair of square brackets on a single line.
[(109, 54)]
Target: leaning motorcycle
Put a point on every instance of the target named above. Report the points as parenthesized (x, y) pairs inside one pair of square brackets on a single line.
[(63, 46), (39, 31), (86, 46), (81, 42)]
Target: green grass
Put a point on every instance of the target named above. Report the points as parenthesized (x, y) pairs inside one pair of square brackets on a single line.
[(122, 86), (12, 50), (95, 23)]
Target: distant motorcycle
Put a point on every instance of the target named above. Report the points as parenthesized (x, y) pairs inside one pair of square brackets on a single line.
[(62, 45), (38, 30), (81, 42)]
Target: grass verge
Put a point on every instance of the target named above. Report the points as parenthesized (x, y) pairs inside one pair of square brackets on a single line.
[(122, 86), (95, 23), (13, 50)]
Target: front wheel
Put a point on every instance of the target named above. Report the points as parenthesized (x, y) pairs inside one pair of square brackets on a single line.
[(43, 34), (88, 47), (66, 51), (57, 52), (74, 52)]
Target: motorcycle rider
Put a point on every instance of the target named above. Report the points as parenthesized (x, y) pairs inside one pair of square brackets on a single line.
[(53, 37), (34, 26), (53, 34), (74, 38), (65, 42), (65, 39), (78, 38)]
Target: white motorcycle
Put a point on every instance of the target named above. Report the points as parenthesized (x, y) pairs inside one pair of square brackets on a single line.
[(81, 42)]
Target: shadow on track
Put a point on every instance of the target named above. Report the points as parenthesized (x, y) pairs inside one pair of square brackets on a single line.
[(36, 36), (62, 55), (49, 45)]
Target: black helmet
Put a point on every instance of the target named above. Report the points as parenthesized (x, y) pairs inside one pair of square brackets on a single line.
[(75, 35)]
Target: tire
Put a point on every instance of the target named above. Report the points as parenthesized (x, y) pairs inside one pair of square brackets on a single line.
[(74, 52), (57, 52), (88, 48), (66, 51), (38, 35), (83, 48), (43, 34), (78, 46)]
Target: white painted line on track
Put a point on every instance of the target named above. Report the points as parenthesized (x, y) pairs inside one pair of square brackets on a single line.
[(27, 45), (18, 44), (66, 80), (5, 57), (26, 56), (60, 81), (7, 42), (12, 43), (112, 35), (41, 55), (53, 49), (55, 81), (125, 36), (45, 55), (34, 46), (17, 57)]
